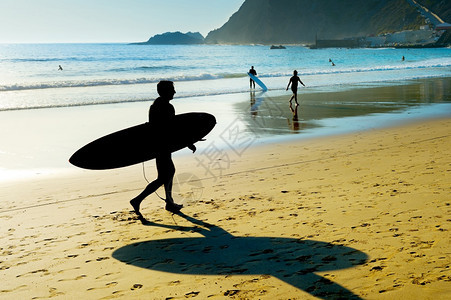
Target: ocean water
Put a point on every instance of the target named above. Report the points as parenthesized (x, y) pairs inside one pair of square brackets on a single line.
[(116, 73), (46, 114)]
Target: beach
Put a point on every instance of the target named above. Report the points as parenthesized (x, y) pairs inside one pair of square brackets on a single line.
[(361, 215), (345, 198)]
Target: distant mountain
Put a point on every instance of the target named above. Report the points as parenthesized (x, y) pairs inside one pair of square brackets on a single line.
[(300, 21), (175, 38)]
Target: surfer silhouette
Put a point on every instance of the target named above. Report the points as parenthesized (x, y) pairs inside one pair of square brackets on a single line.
[(294, 86), (161, 115), (253, 72)]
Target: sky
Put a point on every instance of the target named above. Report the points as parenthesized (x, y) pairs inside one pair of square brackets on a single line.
[(103, 21)]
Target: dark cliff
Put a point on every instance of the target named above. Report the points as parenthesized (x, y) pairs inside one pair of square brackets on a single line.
[(300, 21)]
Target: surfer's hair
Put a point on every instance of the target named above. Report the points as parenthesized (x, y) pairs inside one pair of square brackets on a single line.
[(163, 86)]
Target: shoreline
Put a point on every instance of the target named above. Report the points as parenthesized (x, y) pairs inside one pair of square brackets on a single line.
[(189, 161), (42, 140), (370, 206)]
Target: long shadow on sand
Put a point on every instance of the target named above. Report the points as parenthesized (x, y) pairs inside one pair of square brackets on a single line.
[(292, 260)]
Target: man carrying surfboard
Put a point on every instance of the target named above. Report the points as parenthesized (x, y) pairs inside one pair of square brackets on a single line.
[(294, 86), (161, 115), (253, 72)]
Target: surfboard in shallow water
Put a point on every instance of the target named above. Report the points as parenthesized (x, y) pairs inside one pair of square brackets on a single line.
[(258, 81)]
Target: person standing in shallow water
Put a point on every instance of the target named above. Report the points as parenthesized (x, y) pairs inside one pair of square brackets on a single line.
[(161, 116), (251, 81), (294, 86)]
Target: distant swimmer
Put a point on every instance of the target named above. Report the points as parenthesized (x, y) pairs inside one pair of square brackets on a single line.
[(253, 72), (403, 58), (60, 68), (330, 60), (294, 86)]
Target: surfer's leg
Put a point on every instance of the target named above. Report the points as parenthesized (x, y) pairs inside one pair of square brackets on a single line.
[(161, 162), (170, 204), (168, 180), (150, 188), (295, 95), (166, 171), (296, 99), (135, 204)]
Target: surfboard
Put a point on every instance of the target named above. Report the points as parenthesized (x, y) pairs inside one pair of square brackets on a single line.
[(142, 142), (258, 81)]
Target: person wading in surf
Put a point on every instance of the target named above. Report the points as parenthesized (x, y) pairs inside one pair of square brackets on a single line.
[(161, 116), (294, 86)]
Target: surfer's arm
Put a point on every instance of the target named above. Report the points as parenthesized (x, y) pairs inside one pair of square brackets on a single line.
[(289, 82), (301, 81), (192, 148)]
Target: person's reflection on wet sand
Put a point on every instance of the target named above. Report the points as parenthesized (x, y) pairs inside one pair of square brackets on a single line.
[(294, 111)]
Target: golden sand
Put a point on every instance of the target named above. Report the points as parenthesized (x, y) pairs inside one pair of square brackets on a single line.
[(366, 215)]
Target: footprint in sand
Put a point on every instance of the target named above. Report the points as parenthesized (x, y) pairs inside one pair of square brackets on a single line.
[(136, 286)]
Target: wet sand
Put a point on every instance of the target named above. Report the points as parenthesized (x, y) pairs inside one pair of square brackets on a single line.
[(363, 215), (40, 141)]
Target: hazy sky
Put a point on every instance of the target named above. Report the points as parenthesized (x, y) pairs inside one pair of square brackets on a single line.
[(44, 21)]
